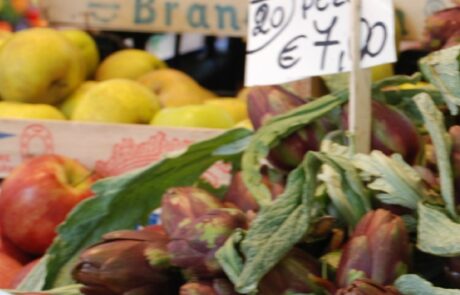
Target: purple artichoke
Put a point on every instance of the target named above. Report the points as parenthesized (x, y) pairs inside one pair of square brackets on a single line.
[(298, 272), (454, 132), (183, 203), (195, 241), (367, 287), (216, 287), (239, 194), (266, 102), (392, 132), (452, 271), (442, 29), (379, 249), (128, 262)]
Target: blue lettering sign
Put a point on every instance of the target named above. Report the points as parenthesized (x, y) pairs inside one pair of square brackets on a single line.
[(232, 14), (196, 16), (144, 12)]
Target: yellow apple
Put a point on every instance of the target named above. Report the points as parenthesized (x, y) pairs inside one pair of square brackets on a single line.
[(19, 110), (117, 101), (4, 35), (198, 116), (175, 88), (235, 107), (88, 48), (39, 66), (128, 64), (68, 106)]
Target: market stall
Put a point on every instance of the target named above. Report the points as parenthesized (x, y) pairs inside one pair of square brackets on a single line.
[(331, 172)]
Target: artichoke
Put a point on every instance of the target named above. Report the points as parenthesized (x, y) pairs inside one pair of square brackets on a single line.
[(367, 287), (181, 203), (298, 272), (215, 287), (452, 271), (379, 249), (392, 132), (195, 242), (128, 262), (454, 132), (239, 194), (442, 29), (266, 102)]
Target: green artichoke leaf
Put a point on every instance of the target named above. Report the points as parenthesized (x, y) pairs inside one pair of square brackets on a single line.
[(442, 69), (283, 223), (229, 256), (414, 285), (276, 129), (345, 188), (125, 201), (434, 123), (275, 230), (436, 232), (396, 182)]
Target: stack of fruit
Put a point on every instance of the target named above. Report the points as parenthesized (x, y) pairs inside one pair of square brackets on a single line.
[(50, 74)]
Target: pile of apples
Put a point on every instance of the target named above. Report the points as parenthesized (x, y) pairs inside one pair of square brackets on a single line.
[(34, 199), (57, 74)]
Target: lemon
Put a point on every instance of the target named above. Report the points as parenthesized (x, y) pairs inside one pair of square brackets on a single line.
[(235, 107)]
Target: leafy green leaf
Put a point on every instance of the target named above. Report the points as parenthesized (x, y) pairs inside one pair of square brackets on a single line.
[(125, 201), (345, 188), (276, 229), (399, 183), (283, 223), (35, 279), (229, 257), (434, 123), (66, 290), (442, 69), (271, 133), (415, 285), (437, 233), (279, 226)]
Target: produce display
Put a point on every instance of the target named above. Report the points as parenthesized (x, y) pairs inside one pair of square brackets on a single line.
[(61, 77), (301, 213)]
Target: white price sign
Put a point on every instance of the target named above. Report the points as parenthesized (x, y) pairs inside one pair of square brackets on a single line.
[(292, 39)]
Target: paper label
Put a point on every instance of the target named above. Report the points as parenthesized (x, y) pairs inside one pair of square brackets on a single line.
[(293, 39)]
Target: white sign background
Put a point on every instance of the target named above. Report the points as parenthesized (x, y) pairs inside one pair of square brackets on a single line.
[(292, 39)]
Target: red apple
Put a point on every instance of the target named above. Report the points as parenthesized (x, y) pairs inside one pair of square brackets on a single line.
[(37, 196), (9, 268), (22, 273), (11, 250)]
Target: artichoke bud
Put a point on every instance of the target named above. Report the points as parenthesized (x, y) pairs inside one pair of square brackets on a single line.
[(193, 245), (126, 262), (367, 287), (181, 204), (442, 30), (239, 194), (452, 272), (378, 249), (392, 132), (266, 102)]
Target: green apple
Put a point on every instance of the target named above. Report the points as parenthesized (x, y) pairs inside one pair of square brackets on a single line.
[(175, 88), (88, 47), (198, 116), (39, 66), (128, 64), (117, 101), (68, 106), (19, 110)]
